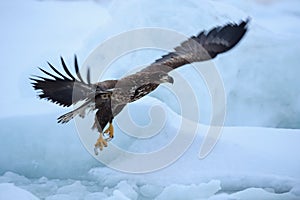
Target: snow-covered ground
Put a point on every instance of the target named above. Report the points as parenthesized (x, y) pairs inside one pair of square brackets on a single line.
[(247, 163), (257, 155)]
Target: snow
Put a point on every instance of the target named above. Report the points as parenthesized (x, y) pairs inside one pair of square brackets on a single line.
[(259, 193), (95, 196), (10, 191), (296, 190), (204, 191), (127, 190), (268, 165), (150, 191), (88, 189), (256, 157), (75, 190)]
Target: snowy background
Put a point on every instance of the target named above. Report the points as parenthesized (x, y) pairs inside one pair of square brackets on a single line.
[(257, 156)]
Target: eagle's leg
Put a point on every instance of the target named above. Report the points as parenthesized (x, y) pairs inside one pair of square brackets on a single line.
[(101, 142), (110, 130)]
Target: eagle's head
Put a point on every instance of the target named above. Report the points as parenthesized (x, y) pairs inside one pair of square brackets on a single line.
[(161, 77)]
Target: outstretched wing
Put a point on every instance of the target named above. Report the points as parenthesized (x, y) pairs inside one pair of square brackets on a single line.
[(64, 90), (204, 46), (68, 89)]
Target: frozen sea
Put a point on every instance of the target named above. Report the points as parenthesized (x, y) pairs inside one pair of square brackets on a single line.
[(256, 156)]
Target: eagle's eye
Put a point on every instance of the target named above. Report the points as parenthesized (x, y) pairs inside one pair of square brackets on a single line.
[(104, 96), (161, 75)]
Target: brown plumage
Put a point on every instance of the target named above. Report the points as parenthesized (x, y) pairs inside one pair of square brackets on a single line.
[(109, 97)]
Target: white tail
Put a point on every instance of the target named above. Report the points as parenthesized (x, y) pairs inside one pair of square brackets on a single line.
[(81, 111)]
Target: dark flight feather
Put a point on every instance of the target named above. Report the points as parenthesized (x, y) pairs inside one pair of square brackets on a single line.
[(204, 46), (63, 90), (66, 69), (77, 69)]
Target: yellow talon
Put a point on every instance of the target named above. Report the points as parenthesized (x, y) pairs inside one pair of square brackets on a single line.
[(101, 142), (110, 130)]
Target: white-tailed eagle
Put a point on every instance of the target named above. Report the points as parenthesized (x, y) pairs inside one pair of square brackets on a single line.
[(109, 97)]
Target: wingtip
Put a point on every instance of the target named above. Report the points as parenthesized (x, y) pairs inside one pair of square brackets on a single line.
[(244, 23), (88, 76), (248, 19), (32, 80), (75, 59)]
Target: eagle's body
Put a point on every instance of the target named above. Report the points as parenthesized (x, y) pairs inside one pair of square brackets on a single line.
[(111, 96)]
